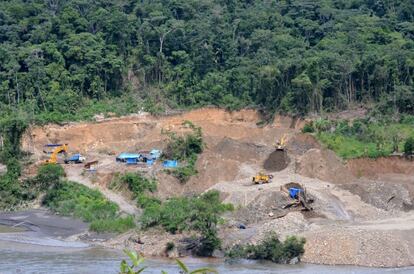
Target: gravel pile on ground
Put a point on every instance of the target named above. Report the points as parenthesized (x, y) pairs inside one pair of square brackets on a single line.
[(359, 247), (290, 225), (259, 209), (277, 161), (387, 196)]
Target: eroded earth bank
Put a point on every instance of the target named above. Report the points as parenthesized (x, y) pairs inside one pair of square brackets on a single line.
[(362, 210)]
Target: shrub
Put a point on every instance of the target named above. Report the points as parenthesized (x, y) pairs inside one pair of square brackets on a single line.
[(72, 199), (183, 147), (271, 248), (189, 213), (186, 149), (308, 128), (113, 225), (170, 246), (184, 173), (137, 183), (48, 175), (409, 146)]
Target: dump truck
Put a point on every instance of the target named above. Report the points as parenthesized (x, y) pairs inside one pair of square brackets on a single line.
[(75, 158), (262, 178), (59, 148)]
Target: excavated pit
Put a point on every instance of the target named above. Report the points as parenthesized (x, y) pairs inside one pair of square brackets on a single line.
[(277, 161)]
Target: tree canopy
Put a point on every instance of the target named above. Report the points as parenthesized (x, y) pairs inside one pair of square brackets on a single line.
[(293, 56)]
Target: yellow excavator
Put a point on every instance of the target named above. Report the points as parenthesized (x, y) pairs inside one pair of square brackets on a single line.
[(58, 149), (280, 144), (262, 178)]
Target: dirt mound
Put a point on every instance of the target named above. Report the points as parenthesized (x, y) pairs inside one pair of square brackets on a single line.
[(387, 196), (259, 209), (228, 160), (323, 165), (366, 167), (277, 161), (301, 143)]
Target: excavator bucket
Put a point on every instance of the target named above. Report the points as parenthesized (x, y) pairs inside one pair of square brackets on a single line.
[(280, 144)]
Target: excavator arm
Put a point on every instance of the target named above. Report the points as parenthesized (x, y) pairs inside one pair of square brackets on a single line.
[(53, 157)]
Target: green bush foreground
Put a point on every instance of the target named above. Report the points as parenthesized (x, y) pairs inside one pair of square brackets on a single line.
[(271, 248)]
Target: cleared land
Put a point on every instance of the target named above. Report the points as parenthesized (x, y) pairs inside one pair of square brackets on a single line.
[(362, 208)]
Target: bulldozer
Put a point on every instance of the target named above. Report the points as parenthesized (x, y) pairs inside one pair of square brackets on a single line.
[(262, 178), (61, 148), (280, 144)]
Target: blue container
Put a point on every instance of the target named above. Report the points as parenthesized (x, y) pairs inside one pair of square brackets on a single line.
[(170, 163), (294, 192)]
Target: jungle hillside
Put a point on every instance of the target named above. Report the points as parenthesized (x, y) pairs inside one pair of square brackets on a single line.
[(69, 59)]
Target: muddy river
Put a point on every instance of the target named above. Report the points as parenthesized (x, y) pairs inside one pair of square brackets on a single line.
[(33, 258), (38, 248)]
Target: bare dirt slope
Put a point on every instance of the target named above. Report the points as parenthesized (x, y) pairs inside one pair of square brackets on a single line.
[(362, 211), (235, 146)]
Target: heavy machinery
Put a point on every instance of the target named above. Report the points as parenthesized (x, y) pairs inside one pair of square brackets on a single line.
[(75, 158), (59, 148), (262, 178), (298, 194), (280, 144)]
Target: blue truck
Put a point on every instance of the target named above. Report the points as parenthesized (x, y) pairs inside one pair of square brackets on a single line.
[(75, 158)]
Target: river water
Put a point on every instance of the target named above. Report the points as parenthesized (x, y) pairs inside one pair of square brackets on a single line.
[(30, 243), (27, 258)]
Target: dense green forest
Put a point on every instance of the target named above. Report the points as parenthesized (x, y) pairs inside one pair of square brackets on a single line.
[(59, 58)]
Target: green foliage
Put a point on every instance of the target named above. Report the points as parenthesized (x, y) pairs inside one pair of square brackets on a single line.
[(71, 59), (308, 128), (271, 248), (48, 175), (189, 213), (365, 138), (186, 270), (184, 173), (409, 146), (170, 246), (119, 225), (186, 149), (11, 130), (13, 193), (137, 183), (137, 260), (72, 199)]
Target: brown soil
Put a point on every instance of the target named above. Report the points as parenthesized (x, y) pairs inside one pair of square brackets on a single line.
[(352, 216), (301, 143), (277, 161), (371, 168), (235, 146), (324, 165)]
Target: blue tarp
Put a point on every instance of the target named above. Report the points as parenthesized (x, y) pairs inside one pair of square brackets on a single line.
[(170, 163), (294, 192), (131, 161), (155, 153), (150, 162)]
